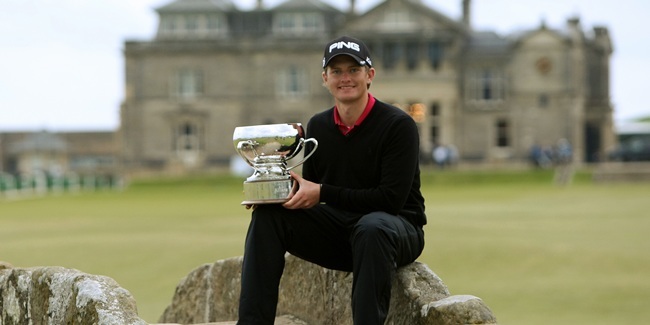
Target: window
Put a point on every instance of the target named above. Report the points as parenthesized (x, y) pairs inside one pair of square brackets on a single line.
[(503, 133), (215, 23), (390, 55), (191, 23), (397, 20), (187, 143), (292, 82), (168, 24), (435, 54), (412, 55), (187, 137), (485, 85), (435, 109), (285, 23), (298, 23), (543, 100), (434, 134), (311, 22), (189, 84)]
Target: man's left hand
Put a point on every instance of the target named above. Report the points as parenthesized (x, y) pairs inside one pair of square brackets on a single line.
[(306, 196)]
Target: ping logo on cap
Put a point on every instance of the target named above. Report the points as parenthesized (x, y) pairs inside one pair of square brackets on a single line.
[(341, 45), (348, 46)]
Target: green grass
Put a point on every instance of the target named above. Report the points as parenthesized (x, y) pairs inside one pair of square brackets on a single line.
[(534, 252)]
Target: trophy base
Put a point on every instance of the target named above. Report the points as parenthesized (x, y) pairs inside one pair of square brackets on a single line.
[(267, 191)]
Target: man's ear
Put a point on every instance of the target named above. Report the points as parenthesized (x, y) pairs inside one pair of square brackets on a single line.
[(371, 74)]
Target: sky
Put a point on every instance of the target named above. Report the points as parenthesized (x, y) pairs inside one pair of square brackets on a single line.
[(62, 68)]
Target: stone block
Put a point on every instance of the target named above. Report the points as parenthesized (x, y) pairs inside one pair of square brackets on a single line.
[(310, 294), (56, 295)]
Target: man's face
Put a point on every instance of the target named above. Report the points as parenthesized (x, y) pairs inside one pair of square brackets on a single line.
[(346, 79)]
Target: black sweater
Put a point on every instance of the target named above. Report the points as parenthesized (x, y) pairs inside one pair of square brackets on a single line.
[(373, 168)]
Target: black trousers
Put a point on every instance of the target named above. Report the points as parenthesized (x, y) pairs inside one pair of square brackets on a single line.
[(372, 246)]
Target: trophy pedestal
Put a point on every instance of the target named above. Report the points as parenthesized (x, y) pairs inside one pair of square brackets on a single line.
[(266, 191)]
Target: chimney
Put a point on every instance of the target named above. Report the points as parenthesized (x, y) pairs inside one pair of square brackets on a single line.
[(466, 13), (260, 4), (353, 6)]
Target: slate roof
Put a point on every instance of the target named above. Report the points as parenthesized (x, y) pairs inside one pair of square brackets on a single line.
[(488, 44), (301, 5), (197, 6)]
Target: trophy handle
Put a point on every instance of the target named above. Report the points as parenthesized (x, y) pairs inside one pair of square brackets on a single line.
[(302, 142), (241, 145)]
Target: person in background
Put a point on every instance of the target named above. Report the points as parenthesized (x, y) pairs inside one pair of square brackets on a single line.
[(441, 155), (358, 206), (563, 162)]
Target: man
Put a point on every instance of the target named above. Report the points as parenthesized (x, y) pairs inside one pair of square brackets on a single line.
[(358, 207)]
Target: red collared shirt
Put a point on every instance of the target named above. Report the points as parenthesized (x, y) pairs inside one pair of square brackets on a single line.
[(347, 129)]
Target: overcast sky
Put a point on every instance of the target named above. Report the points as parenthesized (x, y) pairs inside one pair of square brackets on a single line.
[(61, 63)]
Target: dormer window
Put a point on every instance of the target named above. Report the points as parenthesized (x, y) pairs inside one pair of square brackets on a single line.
[(298, 23), (168, 25), (397, 21), (216, 23), (191, 23), (192, 26)]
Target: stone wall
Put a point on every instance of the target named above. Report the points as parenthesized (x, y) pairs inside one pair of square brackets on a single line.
[(316, 295), (56, 295)]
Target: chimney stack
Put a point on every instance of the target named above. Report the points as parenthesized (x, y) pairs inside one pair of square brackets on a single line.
[(353, 8), (466, 13)]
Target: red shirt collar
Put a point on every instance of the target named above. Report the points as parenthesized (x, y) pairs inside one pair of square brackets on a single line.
[(344, 128)]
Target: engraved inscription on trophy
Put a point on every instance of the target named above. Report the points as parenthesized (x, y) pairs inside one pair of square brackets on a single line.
[(268, 148)]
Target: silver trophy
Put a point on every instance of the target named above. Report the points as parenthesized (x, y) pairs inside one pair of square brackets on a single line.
[(268, 148)]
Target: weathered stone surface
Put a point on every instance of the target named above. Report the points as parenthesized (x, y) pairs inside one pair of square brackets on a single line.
[(5, 265), (315, 295), (56, 295), (309, 294), (462, 309), (209, 293), (280, 320)]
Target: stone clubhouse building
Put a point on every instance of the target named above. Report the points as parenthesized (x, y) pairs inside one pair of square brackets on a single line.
[(212, 67)]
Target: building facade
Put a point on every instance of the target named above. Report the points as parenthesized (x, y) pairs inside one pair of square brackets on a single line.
[(212, 67)]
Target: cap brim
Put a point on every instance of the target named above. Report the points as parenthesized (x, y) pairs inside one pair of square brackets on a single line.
[(356, 58)]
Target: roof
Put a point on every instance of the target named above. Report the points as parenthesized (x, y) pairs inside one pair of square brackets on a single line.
[(40, 141), (196, 6), (437, 15), (305, 4), (488, 44)]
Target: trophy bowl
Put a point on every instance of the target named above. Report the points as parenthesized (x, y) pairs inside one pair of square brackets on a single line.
[(268, 148)]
